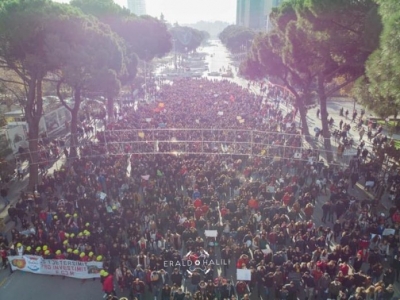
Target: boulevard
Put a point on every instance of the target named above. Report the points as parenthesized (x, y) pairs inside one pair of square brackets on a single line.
[(24, 286)]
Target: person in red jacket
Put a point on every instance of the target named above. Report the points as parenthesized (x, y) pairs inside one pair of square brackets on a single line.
[(198, 213), (253, 204), (205, 209), (3, 254), (242, 261), (363, 245), (108, 284), (197, 203)]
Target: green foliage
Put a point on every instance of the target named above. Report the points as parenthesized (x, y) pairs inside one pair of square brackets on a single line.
[(91, 58), (102, 9), (146, 36), (267, 58), (186, 39), (374, 99), (25, 28), (251, 69), (205, 35), (389, 150), (314, 43), (27, 44), (383, 66), (237, 38)]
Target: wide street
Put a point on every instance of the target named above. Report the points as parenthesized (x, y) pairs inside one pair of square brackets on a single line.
[(25, 286)]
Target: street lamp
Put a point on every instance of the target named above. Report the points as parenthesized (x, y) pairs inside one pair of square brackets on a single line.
[(174, 42), (186, 57), (145, 75)]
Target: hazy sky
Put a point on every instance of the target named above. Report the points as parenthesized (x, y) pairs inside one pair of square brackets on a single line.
[(189, 11)]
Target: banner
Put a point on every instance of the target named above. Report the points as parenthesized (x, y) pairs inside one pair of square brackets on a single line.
[(243, 274), (62, 267), (211, 233)]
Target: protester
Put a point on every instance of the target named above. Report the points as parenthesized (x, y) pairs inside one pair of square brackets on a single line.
[(210, 156)]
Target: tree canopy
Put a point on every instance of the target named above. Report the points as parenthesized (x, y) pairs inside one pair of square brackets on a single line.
[(105, 10), (318, 41), (381, 90), (27, 45), (237, 38), (89, 61), (186, 39), (146, 36)]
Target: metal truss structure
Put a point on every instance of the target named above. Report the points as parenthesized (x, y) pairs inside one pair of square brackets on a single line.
[(199, 141)]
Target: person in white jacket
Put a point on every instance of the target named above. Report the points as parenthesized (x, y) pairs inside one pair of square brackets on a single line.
[(161, 244), (383, 248)]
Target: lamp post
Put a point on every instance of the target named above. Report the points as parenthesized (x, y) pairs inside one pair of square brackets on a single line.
[(145, 74), (186, 57), (145, 80), (174, 42)]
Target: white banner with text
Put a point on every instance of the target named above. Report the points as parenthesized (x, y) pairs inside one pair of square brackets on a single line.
[(62, 267)]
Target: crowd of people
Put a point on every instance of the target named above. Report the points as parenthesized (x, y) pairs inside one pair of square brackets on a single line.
[(143, 198)]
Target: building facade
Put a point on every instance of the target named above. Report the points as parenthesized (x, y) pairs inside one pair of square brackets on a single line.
[(137, 7), (269, 5), (255, 13)]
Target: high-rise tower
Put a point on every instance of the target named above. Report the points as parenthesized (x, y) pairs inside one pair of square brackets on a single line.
[(137, 7), (250, 13), (255, 13)]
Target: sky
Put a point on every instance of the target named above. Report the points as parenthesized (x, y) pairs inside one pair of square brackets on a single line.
[(189, 11)]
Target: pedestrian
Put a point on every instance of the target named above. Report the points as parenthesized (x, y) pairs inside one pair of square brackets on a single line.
[(354, 116), (4, 195), (369, 134), (20, 172), (13, 213), (138, 289), (326, 207), (66, 153), (396, 263), (335, 288), (3, 254), (353, 179), (108, 284), (361, 133), (309, 285), (308, 211)]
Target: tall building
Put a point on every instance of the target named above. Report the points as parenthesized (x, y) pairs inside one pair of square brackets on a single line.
[(137, 7), (269, 5), (255, 13), (249, 13), (240, 12)]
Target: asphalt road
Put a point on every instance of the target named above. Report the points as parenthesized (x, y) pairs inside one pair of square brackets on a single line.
[(26, 286)]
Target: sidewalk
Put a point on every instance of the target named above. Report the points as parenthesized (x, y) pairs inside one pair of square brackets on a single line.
[(15, 189)]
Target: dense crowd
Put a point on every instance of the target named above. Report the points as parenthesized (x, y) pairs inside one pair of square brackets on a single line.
[(146, 216)]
